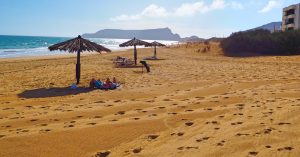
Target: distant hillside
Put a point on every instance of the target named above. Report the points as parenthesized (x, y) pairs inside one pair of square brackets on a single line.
[(192, 39), (270, 26), (147, 34)]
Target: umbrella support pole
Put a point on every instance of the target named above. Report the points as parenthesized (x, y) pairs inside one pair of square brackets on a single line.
[(155, 52), (135, 55), (78, 72), (78, 67)]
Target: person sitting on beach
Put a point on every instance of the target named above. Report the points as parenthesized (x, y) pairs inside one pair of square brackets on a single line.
[(108, 81), (92, 83), (107, 84), (115, 84), (114, 80)]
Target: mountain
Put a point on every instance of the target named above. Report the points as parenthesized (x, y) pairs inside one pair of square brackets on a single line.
[(270, 26), (147, 34), (192, 39)]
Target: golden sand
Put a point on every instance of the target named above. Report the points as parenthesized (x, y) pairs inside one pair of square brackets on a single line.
[(191, 104)]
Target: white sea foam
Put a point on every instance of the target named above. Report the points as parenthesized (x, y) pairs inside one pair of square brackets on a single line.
[(112, 44)]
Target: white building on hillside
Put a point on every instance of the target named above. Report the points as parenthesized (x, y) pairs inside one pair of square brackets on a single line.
[(291, 17)]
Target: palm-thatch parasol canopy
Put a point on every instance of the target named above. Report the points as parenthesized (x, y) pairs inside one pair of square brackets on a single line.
[(78, 45), (155, 44), (134, 42)]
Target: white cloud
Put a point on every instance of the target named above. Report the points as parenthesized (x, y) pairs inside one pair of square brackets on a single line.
[(186, 9), (190, 9), (270, 5), (218, 4), (152, 11)]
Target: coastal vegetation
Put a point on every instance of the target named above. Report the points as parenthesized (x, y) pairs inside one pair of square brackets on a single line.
[(262, 42)]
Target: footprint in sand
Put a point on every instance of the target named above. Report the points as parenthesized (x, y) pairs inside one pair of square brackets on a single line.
[(200, 98), (102, 154), (188, 147), (8, 108), (91, 123), (253, 153), (178, 134), (237, 123), (108, 105), (189, 123), (149, 101), (189, 110), (135, 118), (268, 146), (45, 130), (1, 136), (137, 150), (281, 123), (240, 134), (98, 117), (220, 144), (120, 113), (285, 148), (152, 137), (221, 116), (202, 139), (69, 126), (213, 122), (100, 102), (34, 120)]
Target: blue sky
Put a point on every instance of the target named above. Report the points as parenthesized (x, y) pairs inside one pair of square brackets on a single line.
[(204, 18)]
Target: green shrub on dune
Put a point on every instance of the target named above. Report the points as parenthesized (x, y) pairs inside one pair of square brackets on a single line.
[(262, 42)]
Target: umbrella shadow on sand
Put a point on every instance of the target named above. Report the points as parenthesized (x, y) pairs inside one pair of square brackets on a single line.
[(52, 92)]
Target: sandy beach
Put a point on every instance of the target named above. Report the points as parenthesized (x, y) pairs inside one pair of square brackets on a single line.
[(190, 104)]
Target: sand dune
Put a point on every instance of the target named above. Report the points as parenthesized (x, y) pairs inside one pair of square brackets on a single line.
[(193, 103)]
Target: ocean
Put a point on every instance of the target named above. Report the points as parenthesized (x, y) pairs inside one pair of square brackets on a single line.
[(25, 46)]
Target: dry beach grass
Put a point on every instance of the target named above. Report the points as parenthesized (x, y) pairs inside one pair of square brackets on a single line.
[(193, 103)]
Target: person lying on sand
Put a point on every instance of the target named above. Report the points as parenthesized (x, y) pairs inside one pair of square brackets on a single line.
[(107, 84)]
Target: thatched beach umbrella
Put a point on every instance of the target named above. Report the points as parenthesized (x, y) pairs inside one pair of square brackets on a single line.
[(155, 44), (78, 45), (134, 42)]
